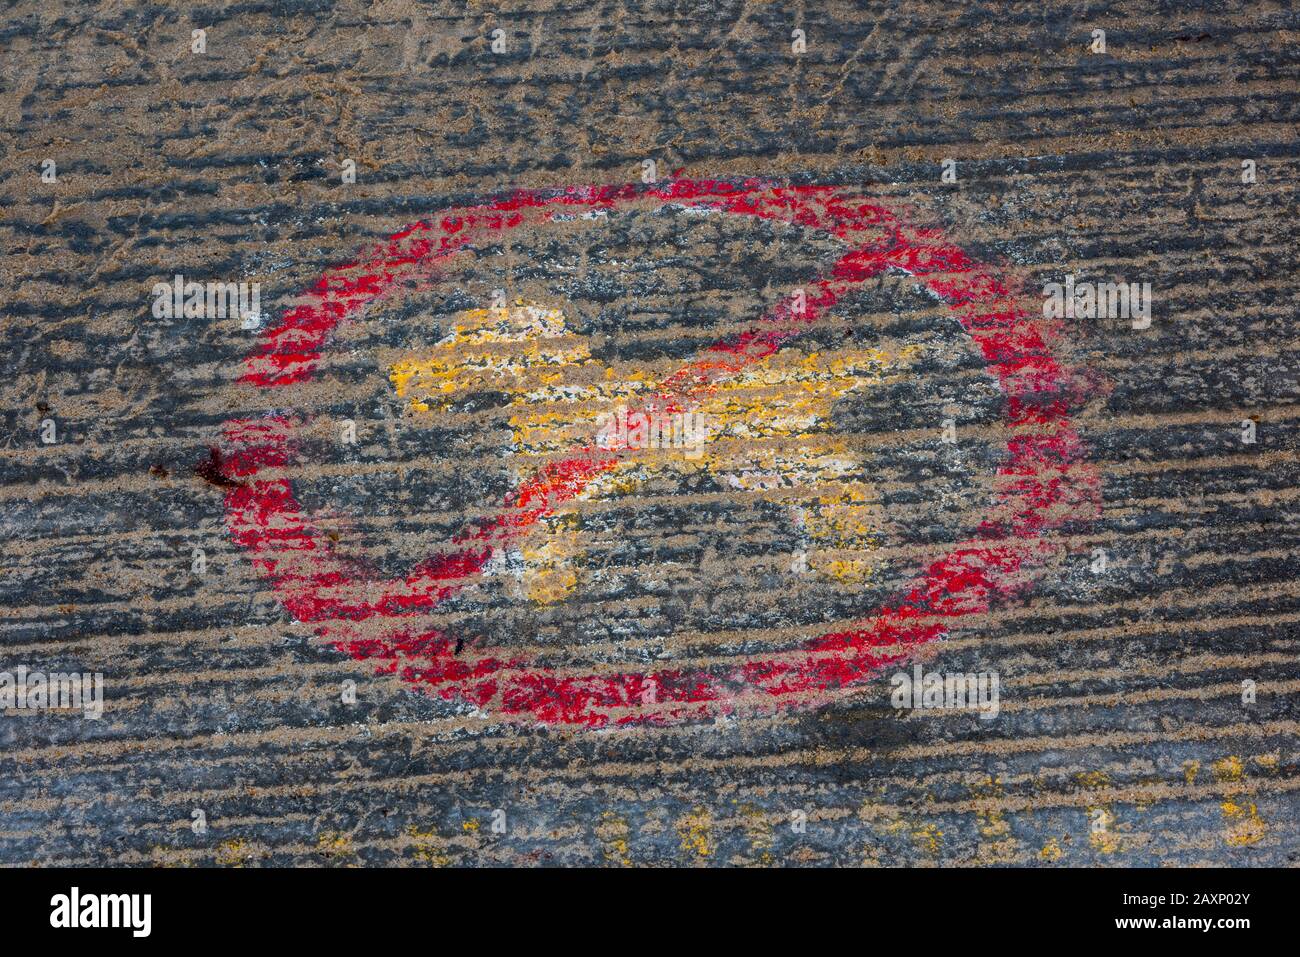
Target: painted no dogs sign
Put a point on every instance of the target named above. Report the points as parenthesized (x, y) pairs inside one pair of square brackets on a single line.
[(608, 455)]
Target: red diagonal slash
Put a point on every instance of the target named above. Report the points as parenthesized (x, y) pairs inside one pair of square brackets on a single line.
[(1043, 483)]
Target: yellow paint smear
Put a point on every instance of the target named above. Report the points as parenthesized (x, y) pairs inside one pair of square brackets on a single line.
[(768, 429)]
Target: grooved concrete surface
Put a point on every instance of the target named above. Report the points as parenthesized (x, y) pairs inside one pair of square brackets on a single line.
[(1122, 736)]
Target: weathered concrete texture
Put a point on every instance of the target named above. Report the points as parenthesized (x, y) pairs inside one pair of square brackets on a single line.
[(1123, 737)]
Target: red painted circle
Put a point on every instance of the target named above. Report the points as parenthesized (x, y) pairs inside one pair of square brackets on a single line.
[(1044, 481)]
